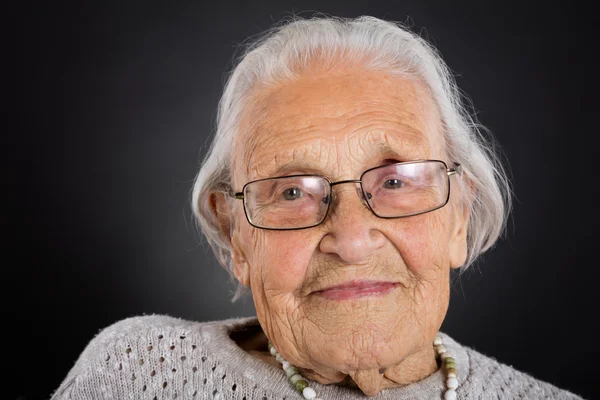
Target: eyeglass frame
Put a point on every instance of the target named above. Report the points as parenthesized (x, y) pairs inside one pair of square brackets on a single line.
[(457, 169)]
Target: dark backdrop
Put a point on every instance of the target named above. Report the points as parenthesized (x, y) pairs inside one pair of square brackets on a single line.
[(114, 106)]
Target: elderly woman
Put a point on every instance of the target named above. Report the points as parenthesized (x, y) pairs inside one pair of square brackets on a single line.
[(345, 181)]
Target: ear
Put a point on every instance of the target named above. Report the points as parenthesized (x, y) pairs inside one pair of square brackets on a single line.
[(461, 215), (241, 268)]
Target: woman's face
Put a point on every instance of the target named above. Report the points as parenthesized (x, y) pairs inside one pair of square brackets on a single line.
[(338, 125)]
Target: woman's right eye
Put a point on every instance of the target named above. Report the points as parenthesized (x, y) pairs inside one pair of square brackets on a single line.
[(292, 194)]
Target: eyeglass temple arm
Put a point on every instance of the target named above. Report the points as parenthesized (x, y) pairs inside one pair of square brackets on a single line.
[(237, 195), (458, 169)]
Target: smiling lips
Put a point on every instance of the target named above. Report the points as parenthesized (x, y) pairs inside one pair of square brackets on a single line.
[(357, 289)]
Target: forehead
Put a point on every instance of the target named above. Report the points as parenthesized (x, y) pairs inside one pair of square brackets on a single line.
[(348, 119)]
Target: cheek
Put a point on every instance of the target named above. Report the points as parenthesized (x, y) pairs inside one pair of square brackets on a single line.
[(281, 259), (423, 242)]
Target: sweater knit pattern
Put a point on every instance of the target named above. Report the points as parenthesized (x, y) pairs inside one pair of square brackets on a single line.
[(159, 357)]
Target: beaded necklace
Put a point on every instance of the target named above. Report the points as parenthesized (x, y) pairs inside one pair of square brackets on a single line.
[(301, 385)]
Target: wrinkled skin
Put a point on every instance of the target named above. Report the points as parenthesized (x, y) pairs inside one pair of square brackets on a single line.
[(339, 124)]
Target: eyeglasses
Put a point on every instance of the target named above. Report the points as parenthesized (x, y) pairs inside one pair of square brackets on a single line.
[(390, 191)]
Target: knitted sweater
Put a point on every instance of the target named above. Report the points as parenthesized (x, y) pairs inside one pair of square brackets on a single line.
[(161, 357)]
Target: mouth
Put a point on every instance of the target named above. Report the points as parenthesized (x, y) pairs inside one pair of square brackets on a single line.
[(357, 289)]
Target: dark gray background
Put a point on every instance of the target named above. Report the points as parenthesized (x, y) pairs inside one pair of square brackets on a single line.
[(115, 103)]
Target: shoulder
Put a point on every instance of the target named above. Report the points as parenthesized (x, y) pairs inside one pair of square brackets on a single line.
[(487, 375), (141, 354), (135, 327)]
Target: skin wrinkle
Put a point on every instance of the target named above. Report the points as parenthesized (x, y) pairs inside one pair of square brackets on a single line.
[(340, 124), (413, 150)]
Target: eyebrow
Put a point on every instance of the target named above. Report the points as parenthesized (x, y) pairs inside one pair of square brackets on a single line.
[(294, 166), (381, 150)]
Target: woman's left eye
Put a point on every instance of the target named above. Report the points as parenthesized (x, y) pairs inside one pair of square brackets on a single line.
[(292, 194), (393, 184)]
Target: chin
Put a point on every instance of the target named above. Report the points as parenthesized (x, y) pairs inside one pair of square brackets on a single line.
[(360, 320)]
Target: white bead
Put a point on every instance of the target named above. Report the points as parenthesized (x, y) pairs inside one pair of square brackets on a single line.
[(279, 358), (452, 383), (451, 375), (291, 371), (438, 341), (296, 378), (445, 355), (286, 364), (441, 349), (450, 394), (309, 393), (273, 351)]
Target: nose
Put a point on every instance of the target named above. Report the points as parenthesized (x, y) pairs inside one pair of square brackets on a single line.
[(351, 228)]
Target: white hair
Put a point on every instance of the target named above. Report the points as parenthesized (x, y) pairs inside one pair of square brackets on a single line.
[(282, 52)]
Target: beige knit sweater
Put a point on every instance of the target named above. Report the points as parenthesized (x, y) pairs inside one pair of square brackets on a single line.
[(161, 357)]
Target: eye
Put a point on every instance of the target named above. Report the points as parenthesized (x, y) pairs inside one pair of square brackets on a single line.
[(393, 184), (292, 194)]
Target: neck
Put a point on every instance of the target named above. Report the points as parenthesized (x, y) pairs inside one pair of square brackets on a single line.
[(411, 369)]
